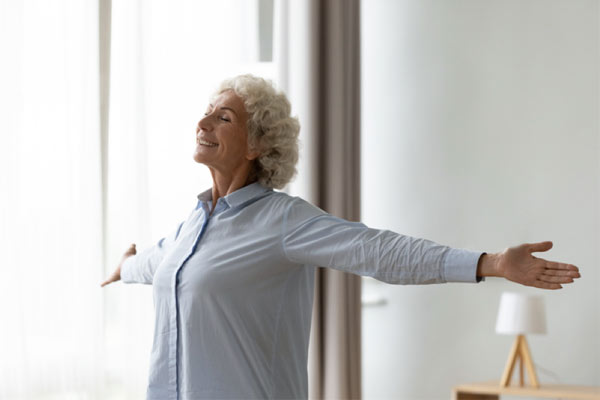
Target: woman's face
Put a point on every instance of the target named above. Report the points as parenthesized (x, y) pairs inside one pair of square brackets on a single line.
[(222, 135)]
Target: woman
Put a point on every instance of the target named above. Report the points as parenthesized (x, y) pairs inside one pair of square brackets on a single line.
[(233, 284)]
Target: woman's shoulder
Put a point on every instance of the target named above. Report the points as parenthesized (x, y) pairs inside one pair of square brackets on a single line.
[(294, 207), (286, 199)]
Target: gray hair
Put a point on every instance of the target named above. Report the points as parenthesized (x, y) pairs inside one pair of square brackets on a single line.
[(271, 129)]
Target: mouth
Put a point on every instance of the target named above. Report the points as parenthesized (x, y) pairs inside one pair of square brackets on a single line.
[(206, 143)]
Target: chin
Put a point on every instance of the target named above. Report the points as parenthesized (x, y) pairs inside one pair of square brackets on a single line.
[(198, 158)]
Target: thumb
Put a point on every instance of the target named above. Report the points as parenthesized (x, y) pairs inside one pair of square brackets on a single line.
[(540, 246), (130, 251)]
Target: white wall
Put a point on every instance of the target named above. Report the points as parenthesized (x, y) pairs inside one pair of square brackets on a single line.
[(480, 130)]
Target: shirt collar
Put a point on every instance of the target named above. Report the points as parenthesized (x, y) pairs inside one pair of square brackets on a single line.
[(240, 196)]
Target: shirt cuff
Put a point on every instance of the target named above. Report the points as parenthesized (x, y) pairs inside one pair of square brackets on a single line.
[(126, 267), (460, 265)]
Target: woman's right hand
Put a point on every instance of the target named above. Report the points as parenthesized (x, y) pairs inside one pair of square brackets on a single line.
[(116, 276)]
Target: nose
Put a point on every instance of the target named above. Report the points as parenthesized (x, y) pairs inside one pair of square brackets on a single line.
[(205, 123)]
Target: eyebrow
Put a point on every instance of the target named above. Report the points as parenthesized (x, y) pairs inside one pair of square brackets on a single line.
[(225, 108), (231, 109)]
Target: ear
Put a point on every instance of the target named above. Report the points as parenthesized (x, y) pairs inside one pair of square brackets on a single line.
[(252, 154)]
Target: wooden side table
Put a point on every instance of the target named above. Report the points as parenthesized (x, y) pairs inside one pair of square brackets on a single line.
[(492, 391)]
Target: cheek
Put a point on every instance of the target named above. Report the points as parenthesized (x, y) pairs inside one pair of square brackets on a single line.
[(242, 146), (239, 142)]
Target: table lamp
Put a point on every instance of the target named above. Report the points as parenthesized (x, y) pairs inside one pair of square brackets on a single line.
[(520, 314)]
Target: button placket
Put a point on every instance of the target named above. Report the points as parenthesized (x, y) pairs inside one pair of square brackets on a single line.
[(174, 338)]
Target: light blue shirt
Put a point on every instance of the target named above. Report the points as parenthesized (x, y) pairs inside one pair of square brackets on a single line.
[(233, 291)]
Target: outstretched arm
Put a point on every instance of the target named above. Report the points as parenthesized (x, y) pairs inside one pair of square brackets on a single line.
[(312, 237), (140, 267), (517, 264)]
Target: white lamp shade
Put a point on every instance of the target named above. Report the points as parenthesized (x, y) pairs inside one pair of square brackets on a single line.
[(520, 314)]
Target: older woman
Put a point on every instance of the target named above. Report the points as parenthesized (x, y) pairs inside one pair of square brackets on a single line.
[(233, 284)]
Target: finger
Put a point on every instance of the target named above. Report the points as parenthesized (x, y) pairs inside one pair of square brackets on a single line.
[(541, 246), (546, 285), (561, 266), (560, 272), (555, 279)]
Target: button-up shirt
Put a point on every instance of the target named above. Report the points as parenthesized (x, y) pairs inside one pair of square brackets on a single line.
[(233, 290)]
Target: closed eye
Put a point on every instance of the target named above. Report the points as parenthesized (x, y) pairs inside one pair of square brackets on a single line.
[(222, 118)]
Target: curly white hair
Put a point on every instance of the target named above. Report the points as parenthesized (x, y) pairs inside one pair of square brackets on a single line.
[(271, 129)]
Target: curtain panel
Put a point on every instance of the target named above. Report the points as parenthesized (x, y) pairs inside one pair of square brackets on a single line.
[(51, 341)]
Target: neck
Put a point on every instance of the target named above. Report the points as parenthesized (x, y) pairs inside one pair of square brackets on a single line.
[(225, 183)]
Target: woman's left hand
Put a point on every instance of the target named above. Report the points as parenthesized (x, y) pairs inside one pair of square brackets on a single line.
[(517, 264)]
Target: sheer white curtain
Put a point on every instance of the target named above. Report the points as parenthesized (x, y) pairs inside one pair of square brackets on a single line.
[(51, 333)]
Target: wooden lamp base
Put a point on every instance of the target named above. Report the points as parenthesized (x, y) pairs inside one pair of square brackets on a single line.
[(520, 352)]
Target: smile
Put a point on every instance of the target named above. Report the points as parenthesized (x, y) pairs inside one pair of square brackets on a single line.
[(205, 143)]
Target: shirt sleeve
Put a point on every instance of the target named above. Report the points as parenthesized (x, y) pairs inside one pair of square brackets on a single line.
[(313, 237), (140, 268)]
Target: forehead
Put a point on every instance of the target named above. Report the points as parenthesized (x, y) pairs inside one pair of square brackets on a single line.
[(228, 99)]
